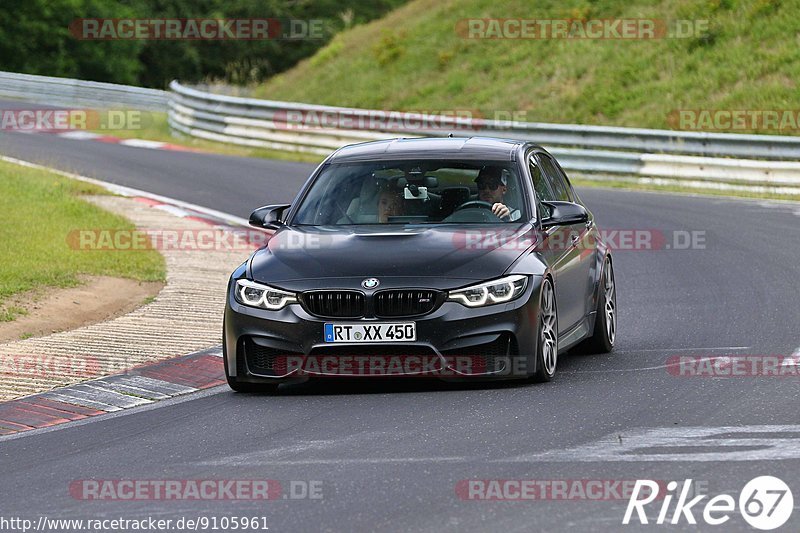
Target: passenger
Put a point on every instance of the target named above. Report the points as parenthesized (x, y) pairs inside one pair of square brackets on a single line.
[(390, 204)]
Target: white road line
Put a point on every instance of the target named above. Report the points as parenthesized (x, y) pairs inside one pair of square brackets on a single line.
[(142, 143), (794, 360), (172, 210), (680, 444), (714, 349), (79, 135), (612, 370), (343, 461)]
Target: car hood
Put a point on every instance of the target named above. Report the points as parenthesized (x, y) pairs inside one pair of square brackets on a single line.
[(460, 254)]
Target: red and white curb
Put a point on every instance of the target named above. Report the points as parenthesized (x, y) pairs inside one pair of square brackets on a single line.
[(245, 234), (80, 135), (138, 386)]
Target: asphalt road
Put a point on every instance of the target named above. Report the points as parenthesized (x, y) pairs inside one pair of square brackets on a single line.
[(192, 177), (390, 456)]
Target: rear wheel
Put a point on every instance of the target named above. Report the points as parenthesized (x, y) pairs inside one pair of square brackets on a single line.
[(605, 322), (547, 337)]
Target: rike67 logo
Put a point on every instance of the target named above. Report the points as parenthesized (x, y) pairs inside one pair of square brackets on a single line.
[(765, 503)]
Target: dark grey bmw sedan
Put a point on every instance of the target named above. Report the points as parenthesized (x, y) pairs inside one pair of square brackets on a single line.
[(455, 258)]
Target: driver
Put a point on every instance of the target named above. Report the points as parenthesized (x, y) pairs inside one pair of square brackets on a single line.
[(492, 187)]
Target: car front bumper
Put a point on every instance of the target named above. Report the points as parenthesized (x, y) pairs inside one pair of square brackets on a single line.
[(452, 342)]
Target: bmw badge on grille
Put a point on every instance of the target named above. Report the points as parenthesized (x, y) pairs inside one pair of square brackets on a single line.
[(370, 283)]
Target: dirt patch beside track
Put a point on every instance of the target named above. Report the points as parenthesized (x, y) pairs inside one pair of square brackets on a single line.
[(98, 298)]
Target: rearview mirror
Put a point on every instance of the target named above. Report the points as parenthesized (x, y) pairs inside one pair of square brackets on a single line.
[(412, 192), (565, 214), (268, 216)]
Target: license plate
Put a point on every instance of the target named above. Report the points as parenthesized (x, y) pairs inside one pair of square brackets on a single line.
[(383, 332)]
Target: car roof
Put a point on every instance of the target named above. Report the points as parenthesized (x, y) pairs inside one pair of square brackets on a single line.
[(472, 148)]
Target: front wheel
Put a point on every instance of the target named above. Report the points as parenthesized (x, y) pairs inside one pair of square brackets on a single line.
[(547, 336)]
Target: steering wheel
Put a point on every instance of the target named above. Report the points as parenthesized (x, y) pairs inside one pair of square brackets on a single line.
[(479, 213), (475, 204)]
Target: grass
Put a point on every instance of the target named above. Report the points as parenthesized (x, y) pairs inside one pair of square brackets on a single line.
[(39, 210), (11, 312), (414, 59)]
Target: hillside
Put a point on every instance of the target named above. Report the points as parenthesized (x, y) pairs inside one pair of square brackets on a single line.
[(417, 58)]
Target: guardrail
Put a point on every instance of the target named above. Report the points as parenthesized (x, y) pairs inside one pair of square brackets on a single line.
[(719, 157), (69, 92), (745, 160)]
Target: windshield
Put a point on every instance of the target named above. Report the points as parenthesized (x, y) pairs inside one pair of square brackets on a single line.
[(414, 192)]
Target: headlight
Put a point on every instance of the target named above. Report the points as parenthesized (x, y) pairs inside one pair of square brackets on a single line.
[(255, 294), (489, 293)]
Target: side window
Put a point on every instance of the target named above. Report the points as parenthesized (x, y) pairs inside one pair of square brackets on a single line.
[(540, 187), (557, 179)]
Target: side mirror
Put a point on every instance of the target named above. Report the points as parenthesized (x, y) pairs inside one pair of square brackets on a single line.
[(565, 214), (268, 216)]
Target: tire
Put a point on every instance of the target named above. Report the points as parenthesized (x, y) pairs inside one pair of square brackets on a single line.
[(546, 335), (605, 323)]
